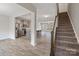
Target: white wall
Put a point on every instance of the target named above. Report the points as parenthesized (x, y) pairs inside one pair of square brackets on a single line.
[(7, 27), (4, 27), (73, 12), (63, 7), (12, 27)]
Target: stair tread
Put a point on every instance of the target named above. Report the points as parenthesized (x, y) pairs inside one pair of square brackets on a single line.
[(66, 36), (66, 32), (62, 52), (66, 39), (67, 42), (71, 33), (67, 48), (68, 45)]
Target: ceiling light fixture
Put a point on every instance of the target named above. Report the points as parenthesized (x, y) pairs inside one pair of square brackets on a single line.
[(46, 16)]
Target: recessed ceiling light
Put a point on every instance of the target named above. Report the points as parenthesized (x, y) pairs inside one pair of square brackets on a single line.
[(46, 16)]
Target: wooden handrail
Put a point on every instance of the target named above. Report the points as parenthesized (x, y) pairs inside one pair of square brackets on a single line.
[(52, 51)]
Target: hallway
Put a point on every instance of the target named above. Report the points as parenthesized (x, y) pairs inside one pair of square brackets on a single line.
[(66, 42)]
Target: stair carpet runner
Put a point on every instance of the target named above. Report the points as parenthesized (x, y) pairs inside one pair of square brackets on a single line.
[(66, 42)]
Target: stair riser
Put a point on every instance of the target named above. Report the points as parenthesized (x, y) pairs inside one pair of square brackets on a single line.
[(69, 46), (65, 34), (67, 42), (64, 24), (66, 39), (62, 52), (64, 27), (59, 30)]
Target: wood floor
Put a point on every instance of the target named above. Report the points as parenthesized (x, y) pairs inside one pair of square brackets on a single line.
[(22, 47)]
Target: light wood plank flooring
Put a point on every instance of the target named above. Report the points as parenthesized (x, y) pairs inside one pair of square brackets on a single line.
[(22, 47)]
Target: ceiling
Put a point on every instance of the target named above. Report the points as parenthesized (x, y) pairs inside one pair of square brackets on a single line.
[(24, 17), (12, 9), (44, 10)]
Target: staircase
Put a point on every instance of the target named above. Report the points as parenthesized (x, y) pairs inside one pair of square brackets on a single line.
[(66, 42)]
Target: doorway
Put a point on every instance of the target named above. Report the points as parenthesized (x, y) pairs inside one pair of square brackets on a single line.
[(23, 26)]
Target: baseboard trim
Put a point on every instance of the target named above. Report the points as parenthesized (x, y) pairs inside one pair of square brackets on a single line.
[(11, 36), (73, 28), (4, 36)]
